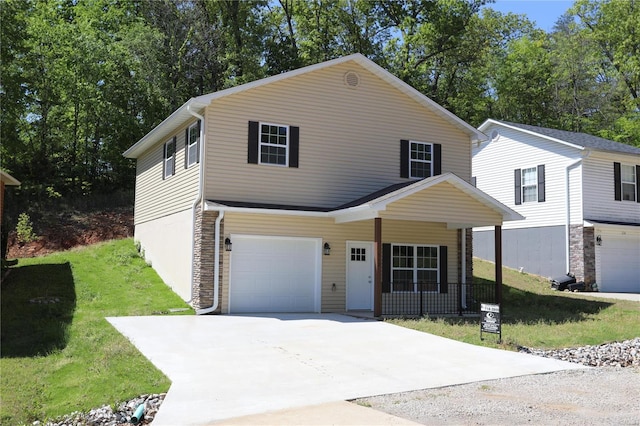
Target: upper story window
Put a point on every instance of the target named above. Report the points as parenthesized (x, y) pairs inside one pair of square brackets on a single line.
[(420, 160), (628, 182), (626, 179), (276, 144), (530, 185), (169, 162), (192, 144)]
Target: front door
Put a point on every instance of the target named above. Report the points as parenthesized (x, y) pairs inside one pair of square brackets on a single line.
[(359, 276)]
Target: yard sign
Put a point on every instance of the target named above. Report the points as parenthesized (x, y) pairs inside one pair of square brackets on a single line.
[(490, 320)]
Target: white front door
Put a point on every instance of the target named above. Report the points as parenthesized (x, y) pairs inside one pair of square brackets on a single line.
[(359, 276)]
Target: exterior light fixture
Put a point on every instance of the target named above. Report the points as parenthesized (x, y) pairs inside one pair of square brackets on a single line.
[(599, 240), (327, 249), (227, 244)]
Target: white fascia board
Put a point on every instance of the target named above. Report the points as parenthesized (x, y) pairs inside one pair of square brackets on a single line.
[(249, 210), (8, 179), (631, 228), (490, 121), (364, 212)]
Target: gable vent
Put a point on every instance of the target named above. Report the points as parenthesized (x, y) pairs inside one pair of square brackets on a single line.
[(352, 79)]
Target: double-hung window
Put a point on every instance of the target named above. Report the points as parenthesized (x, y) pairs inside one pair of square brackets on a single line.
[(414, 268), (530, 185), (192, 143), (421, 162), (628, 182), (274, 144), (169, 163)]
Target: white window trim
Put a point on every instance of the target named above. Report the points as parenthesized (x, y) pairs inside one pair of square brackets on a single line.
[(169, 160), (623, 182), (522, 185), (261, 144), (411, 160), (415, 267), (192, 161)]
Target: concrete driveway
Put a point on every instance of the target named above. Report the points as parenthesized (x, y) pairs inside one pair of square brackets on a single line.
[(228, 366)]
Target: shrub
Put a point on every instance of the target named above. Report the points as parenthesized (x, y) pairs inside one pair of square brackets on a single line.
[(24, 229)]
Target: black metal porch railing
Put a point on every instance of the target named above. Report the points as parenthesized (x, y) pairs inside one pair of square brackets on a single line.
[(425, 299)]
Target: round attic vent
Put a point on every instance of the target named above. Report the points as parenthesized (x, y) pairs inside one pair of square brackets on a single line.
[(352, 79), (494, 135)]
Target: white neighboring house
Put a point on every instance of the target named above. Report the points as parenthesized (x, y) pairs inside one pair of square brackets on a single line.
[(579, 194)]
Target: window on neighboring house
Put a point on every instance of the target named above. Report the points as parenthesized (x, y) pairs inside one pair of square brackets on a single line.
[(628, 181), (169, 164), (530, 185), (276, 144), (192, 143), (414, 268), (420, 160)]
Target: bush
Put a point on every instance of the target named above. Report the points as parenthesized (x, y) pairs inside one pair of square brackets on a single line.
[(24, 229)]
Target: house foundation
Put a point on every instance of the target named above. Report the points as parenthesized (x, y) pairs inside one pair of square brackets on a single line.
[(204, 258), (582, 254)]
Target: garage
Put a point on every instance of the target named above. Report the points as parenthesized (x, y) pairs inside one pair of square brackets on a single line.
[(618, 261), (274, 274)]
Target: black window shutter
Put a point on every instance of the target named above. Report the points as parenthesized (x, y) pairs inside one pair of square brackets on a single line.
[(617, 182), (474, 181), (386, 268), (294, 146), (541, 184), (174, 145), (444, 281), (437, 159), (253, 143), (404, 158), (186, 147), (637, 184), (518, 176), (198, 144)]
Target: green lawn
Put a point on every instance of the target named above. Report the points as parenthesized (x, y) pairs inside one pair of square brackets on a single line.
[(534, 315), (64, 356)]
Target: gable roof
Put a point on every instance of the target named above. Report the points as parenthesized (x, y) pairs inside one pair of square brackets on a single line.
[(369, 206), (575, 139), (184, 113)]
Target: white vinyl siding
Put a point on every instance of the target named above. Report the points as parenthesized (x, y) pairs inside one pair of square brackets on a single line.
[(334, 265), (157, 197), (494, 163), (599, 189), (349, 139)]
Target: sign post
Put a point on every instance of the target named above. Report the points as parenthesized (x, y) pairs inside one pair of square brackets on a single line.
[(490, 320)]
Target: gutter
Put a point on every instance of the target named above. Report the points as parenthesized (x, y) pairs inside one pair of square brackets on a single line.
[(568, 168), (199, 200)]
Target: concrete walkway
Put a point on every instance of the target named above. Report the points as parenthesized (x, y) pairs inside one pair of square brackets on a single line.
[(226, 366), (634, 297)]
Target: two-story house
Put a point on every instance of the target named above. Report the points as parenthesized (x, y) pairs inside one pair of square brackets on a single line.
[(579, 194), (316, 190)]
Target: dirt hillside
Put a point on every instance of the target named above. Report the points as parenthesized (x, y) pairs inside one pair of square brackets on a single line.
[(68, 230)]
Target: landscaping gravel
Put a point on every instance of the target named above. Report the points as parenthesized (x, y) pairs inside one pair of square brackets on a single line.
[(606, 394)]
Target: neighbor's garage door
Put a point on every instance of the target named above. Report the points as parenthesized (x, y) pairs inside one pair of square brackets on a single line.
[(274, 274), (618, 268)]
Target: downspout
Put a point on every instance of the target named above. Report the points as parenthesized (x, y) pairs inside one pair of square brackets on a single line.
[(463, 249), (585, 155)]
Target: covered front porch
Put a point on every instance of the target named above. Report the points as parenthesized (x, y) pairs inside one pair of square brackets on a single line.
[(445, 199)]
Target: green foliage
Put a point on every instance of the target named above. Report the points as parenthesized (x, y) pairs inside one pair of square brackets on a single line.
[(24, 229), (63, 356)]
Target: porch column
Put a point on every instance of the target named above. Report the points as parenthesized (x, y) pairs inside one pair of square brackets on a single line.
[(377, 261), (498, 257)]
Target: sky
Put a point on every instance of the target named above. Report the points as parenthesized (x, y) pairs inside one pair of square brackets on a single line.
[(544, 13)]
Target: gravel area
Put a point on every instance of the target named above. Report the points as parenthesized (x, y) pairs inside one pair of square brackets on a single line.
[(606, 394)]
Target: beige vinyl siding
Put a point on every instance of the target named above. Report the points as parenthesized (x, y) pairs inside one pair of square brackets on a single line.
[(599, 196), (337, 235), (157, 197), (349, 139), (452, 205), (494, 163)]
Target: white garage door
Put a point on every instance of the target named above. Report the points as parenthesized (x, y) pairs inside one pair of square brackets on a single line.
[(274, 274), (618, 268)]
